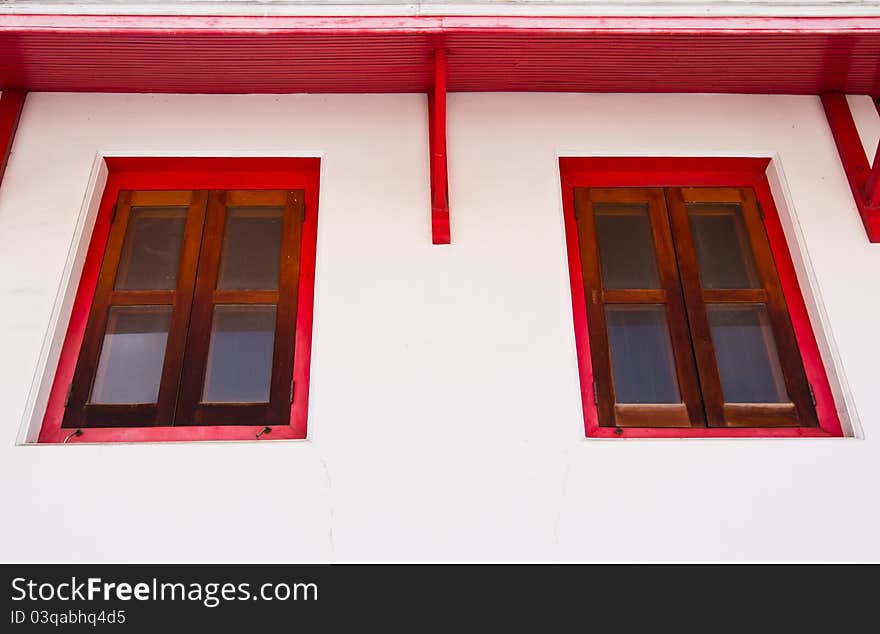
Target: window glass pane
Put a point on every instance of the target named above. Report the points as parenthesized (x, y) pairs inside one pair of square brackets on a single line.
[(724, 252), (151, 251), (746, 352), (251, 254), (240, 355), (642, 362), (626, 246), (132, 355)]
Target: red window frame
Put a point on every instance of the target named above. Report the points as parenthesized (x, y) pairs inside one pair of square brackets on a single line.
[(691, 172), (130, 173)]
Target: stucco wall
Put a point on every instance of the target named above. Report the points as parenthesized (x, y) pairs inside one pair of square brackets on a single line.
[(445, 418)]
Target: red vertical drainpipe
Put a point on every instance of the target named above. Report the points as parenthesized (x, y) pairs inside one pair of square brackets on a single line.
[(440, 233)]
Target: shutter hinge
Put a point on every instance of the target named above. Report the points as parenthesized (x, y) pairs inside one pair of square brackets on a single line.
[(113, 215), (812, 394), (67, 398), (595, 394), (303, 216), (292, 383), (760, 211)]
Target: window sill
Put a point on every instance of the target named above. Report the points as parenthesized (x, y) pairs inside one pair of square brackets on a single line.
[(596, 431), (170, 434)]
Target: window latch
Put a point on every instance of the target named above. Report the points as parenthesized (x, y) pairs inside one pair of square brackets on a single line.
[(265, 430)]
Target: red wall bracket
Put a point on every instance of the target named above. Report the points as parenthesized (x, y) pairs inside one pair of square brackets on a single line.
[(437, 142), (11, 104), (863, 179)]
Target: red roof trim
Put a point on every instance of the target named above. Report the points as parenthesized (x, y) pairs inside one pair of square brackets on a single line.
[(244, 54), (192, 24)]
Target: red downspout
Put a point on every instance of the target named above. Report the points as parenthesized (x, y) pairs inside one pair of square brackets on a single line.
[(440, 233)]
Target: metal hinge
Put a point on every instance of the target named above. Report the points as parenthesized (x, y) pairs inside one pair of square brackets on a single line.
[(67, 398), (760, 211), (292, 383), (595, 394), (303, 217), (113, 215), (812, 394)]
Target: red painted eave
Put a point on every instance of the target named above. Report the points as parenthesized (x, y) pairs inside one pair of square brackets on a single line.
[(238, 54)]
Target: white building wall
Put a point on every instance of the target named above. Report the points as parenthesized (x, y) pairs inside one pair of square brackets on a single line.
[(445, 418)]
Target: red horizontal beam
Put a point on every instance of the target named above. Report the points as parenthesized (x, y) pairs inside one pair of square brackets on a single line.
[(11, 104), (244, 54), (164, 24), (790, 64), (863, 180)]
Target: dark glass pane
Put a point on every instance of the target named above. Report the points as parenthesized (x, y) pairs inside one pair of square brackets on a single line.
[(747, 359), (251, 253), (626, 246), (724, 252), (151, 251), (240, 357), (132, 355), (641, 354)]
